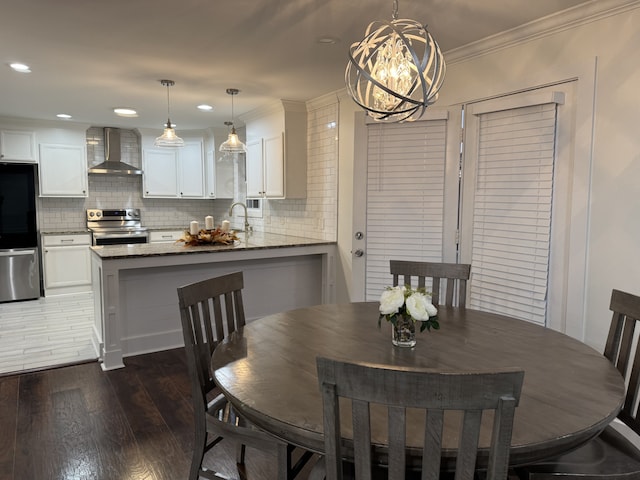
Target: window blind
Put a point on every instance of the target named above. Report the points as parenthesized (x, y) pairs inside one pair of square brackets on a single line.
[(512, 212), (405, 197)]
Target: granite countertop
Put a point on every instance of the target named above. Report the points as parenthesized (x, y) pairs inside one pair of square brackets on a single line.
[(67, 232), (251, 241), (167, 229)]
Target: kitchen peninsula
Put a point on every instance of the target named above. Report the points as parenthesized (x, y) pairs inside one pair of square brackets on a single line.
[(136, 304)]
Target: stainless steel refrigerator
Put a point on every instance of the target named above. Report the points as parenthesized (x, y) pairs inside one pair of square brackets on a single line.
[(19, 259)]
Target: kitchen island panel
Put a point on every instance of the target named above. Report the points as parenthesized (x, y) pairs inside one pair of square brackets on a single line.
[(135, 286), (149, 300)]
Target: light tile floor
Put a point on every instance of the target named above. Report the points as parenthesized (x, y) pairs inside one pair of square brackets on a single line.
[(47, 332)]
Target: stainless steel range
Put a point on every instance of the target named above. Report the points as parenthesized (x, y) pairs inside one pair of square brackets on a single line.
[(116, 227)]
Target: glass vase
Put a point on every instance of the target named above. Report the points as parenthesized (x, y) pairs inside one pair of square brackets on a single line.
[(403, 332)]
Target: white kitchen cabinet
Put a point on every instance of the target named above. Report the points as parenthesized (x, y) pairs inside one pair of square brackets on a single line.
[(174, 172), (191, 170), (160, 172), (255, 168), (277, 152), (219, 177), (67, 263), (18, 146), (165, 236), (265, 174), (63, 171)]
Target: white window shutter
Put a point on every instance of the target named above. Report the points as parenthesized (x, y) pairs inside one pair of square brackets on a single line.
[(512, 203), (405, 197)]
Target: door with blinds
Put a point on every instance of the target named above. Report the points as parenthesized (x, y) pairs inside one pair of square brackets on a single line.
[(406, 189), (497, 199), (515, 178)]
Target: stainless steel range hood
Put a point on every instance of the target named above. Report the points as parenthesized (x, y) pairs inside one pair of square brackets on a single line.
[(112, 164)]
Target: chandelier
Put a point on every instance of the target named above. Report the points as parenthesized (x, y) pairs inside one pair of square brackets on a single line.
[(395, 72), (169, 138)]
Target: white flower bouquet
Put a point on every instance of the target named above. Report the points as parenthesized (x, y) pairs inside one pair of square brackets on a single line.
[(405, 301)]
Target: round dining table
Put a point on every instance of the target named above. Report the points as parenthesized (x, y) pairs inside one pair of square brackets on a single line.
[(267, 369)]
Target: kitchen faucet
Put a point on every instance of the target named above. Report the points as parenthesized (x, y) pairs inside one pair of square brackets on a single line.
[(247, 227)]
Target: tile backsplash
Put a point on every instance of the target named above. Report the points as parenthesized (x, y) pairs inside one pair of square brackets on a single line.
[(314, 216)]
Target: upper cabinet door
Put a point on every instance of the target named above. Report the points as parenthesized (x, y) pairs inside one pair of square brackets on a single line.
[(160, 177), (255, 169), (18, 146), (274, 167), (191, 169), (63, 171)]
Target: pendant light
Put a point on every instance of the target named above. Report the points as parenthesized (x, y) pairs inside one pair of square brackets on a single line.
[(168, 137), (395, 72), (233, 143)]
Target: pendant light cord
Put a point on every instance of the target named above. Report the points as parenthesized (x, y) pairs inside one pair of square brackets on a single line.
[(168, 103)]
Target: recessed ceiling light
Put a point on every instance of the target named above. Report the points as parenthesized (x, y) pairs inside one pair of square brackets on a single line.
[(125, 112), (20, 67), (328, 40), (65, 116), (205, 108)]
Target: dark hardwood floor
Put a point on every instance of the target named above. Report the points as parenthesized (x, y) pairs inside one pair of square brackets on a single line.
[(135, 423)]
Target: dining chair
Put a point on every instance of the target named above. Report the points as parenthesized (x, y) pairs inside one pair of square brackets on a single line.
[(454, 274), (416, 388), (614, 454), (210, 310)]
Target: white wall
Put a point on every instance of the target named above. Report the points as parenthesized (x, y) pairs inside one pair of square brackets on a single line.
[(601, 50)]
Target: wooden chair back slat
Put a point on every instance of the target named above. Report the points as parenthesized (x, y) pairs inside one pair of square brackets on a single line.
[(397, 444), (367, 384), (468, 448), (444, 278), (362, 443), (502, 428), (432, 444)]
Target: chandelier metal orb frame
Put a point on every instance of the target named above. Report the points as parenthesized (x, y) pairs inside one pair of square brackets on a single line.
[(396, 71)]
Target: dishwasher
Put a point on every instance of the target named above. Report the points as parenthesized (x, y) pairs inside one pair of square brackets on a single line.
[(20, 274)]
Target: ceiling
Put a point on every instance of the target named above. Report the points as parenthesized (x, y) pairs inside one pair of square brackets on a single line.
[(88, 57)]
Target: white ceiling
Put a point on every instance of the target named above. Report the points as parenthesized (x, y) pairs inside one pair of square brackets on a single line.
[(88, 57)]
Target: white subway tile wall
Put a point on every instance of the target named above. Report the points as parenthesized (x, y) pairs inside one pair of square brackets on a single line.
[(317, 215), (314, 217)]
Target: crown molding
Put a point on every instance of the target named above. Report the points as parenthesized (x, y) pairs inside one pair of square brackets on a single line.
[(21, 122), (565, 20), (277, 106), (326, 100)]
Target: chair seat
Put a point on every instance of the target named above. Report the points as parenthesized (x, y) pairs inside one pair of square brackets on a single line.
[(610, 454)]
